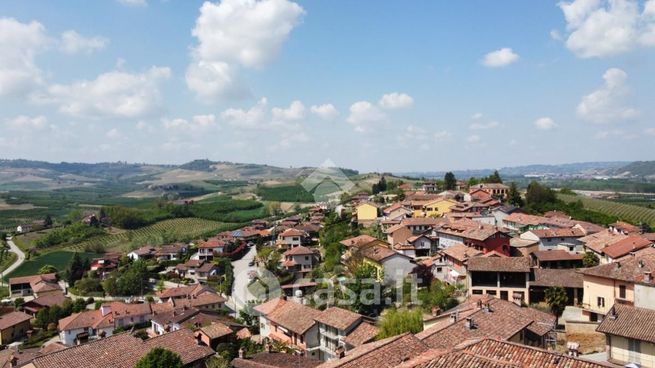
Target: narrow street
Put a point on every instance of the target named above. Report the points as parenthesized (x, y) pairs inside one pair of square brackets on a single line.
[(19, 261), (240, 293)]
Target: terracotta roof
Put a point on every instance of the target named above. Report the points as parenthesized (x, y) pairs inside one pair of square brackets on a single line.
[(12, 319), (385, 353), (174, 316), (292, 232), (598, 241), (216, 330), (499, 264), (624, 226), (625, 246), (290, 315), (275, 360), (503, 320), (521, 243), (422, 221), (438, 358), (527, 356), (469, 229), (378, 253), (525, 219), (33, 279), (184, 291), (631, 269), (549, 277), (212, 243), (392, 208), (461, 252), (50, 300), (558, 233), (358, 240), (298, 251), (362, 334), (556, 255), (628, 321), (338, 317), (124, 351), (86, 319)]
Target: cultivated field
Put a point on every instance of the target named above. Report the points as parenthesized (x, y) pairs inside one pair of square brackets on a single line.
[(59, 259), (161, 232), (627, 212)]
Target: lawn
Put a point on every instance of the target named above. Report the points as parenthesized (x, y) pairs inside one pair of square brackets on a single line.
[(7, 260), (59, 259)]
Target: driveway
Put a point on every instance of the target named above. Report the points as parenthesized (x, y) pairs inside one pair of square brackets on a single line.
[(240, 293), (21, 257)]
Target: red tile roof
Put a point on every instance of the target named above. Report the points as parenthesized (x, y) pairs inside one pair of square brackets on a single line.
[(499, 264), (338, 317), (556, 255), (625, 246), (12, 319), (631, 322)]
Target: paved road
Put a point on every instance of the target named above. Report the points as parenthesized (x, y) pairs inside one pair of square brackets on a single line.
[(240, 293), (21, 257)]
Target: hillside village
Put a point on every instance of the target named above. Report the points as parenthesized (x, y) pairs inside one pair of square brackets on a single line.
[(463, 276)]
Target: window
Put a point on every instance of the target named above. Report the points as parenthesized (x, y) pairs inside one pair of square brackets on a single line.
[(600, 301), (439, 269), (622, 291), (634, 345)]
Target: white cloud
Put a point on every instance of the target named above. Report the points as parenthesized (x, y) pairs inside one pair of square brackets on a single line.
[(133, 2), (473, 139), (500, 58), (23, 122), (325, 111), (112, 94), (650, 131), (481, 126), (442, 135), (555, 35), (545, 123), (251, 118), (396, 100), (295, 111), (363, 113), (20, 43), (233, 34), (600, 28), (113, 134), (197, 124), (74, 43), (476, 116), (607, 104)]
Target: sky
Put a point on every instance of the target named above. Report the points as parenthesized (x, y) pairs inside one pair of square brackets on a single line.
[(370, 85)]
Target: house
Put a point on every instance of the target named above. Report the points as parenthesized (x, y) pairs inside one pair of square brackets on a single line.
[(196, 269), (489, 317), (35, 305), (569, 279), (629, 335), (624, 247), (521, 222), (550, 239), (290, 323), (507, 278), (171, 320), (437, 207), (596, 242), (628, 281), (105, 265), (485, 238), (452, 263), (13, 326), (396, 212), (353, 245), (415, 246), (501, 212), (556, 258), (145, 252), (624, 228), (125, 350), (366, 213), (197, 296), (214, 334), (80, 327), (522, 247), (299, 260), (390, 265), (496, 190), (338, 327), (23, 228), (171, 252), (291, 238), (37, 285), (271, 359), (210, 247)]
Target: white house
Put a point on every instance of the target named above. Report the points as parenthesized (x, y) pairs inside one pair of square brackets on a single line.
[(550, 239)]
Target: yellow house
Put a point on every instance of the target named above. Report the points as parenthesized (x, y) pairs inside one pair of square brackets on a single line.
[(628, 335), (13, 326), (607, 284), (367, 212), (438, 207)]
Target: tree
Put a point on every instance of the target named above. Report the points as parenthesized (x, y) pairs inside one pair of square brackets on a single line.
[(450, 183), (590, 259), (75, 270), (395, 322), (47, 222), (160, 358), (556, 298), (47, 269), (538, 195), (18, 302), (495, 178), (514, 196)]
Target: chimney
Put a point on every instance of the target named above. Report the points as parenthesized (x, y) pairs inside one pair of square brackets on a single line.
[(487, 307), (199, 341), (454, 317), (517, 299), (435, 311), (641, 263), (340, 352), (268, 348), (242, 353), (618, 265), (468, 323), (479, 304), (647, 277)]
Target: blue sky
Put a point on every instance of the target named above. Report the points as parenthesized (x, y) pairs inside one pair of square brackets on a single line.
[(385, 86)]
